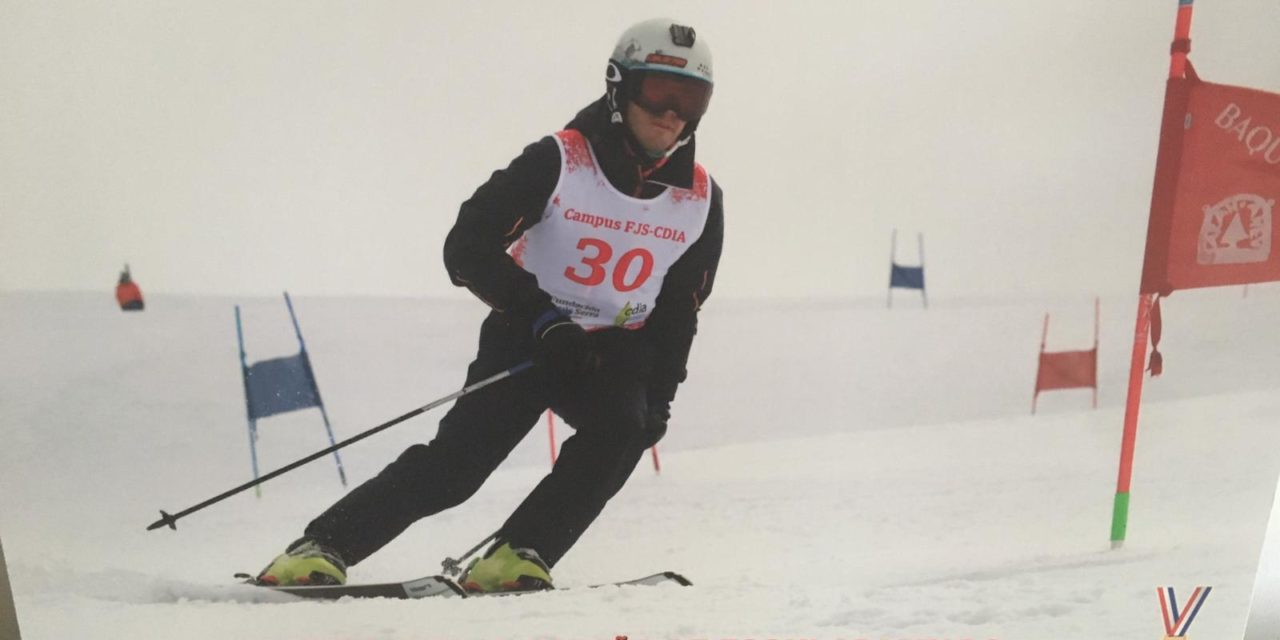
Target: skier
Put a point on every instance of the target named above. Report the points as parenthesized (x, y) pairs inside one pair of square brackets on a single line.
[(128, 295), (594, 249)]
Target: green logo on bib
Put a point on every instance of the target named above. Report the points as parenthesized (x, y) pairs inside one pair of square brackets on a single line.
[(624, 315), (629, 312)]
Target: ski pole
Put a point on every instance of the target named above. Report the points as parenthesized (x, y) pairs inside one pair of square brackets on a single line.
[(171, 520), (453, 567)]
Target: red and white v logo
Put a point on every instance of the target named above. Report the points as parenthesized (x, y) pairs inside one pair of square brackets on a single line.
[(1176, 623)]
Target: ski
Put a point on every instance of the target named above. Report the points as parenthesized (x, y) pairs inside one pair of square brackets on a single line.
[(428, 587), (647, 581), (441, 586)]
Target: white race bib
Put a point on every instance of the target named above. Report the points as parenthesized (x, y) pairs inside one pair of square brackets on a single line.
[(601, 254)]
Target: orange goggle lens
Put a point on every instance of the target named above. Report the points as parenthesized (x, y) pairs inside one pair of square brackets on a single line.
[(659, 93)]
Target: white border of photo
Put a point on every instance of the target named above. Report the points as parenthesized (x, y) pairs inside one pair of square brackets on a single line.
[(1264, 611)]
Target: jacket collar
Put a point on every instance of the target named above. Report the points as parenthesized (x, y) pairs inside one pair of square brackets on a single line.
[(626, 169)]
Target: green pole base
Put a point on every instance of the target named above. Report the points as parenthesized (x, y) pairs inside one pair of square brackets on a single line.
[(1119, 519)]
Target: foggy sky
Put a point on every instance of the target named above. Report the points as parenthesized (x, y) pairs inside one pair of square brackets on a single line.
[(324, 147)]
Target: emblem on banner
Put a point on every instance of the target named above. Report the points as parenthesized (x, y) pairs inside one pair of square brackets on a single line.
[(1178, 621), (1236, 230)]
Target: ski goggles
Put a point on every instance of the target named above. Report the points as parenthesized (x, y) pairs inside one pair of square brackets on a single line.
[(658, 93)]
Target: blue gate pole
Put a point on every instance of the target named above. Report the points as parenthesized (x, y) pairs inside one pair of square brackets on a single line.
[(315, 388), (248, 404), (893, 250), (923, 296)]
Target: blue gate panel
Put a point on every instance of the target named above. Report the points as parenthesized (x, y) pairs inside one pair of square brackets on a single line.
[(907, 277), (280, 385)]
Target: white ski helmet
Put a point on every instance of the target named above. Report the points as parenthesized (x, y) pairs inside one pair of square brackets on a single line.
[(660, 47)]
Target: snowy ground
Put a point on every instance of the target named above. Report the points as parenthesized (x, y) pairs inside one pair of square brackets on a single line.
[(835, 470)]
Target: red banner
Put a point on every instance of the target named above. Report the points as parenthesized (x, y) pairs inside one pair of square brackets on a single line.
[(1067, 370), (1217, 185)]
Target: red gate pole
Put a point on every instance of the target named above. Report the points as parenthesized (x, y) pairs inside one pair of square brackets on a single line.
[(1097, 320), (1120, 507), (1035, 395), (551, 434)]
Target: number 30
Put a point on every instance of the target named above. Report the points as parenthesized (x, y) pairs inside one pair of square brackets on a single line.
[(597, 265)]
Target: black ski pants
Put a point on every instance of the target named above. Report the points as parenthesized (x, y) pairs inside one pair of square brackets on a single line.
[(606, 408)]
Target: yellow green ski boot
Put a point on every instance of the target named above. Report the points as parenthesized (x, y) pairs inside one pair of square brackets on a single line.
[(506, 569), (304, 563)]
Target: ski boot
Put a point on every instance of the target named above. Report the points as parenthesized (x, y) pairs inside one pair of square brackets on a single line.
[(504, 569), (304, 563)]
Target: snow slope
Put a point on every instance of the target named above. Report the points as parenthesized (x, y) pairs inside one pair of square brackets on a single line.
[(835, 470)]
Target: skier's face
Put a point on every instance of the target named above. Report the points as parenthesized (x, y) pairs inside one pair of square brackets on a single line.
[(657, 132)]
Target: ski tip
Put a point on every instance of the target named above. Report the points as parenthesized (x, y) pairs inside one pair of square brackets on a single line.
[(679, 579), (165, 520)]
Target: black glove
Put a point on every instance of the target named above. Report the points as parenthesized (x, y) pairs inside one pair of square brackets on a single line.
[(655, 424), (561, 346)]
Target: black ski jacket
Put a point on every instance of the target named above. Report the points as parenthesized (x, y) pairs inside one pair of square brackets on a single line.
[(513, 200)]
